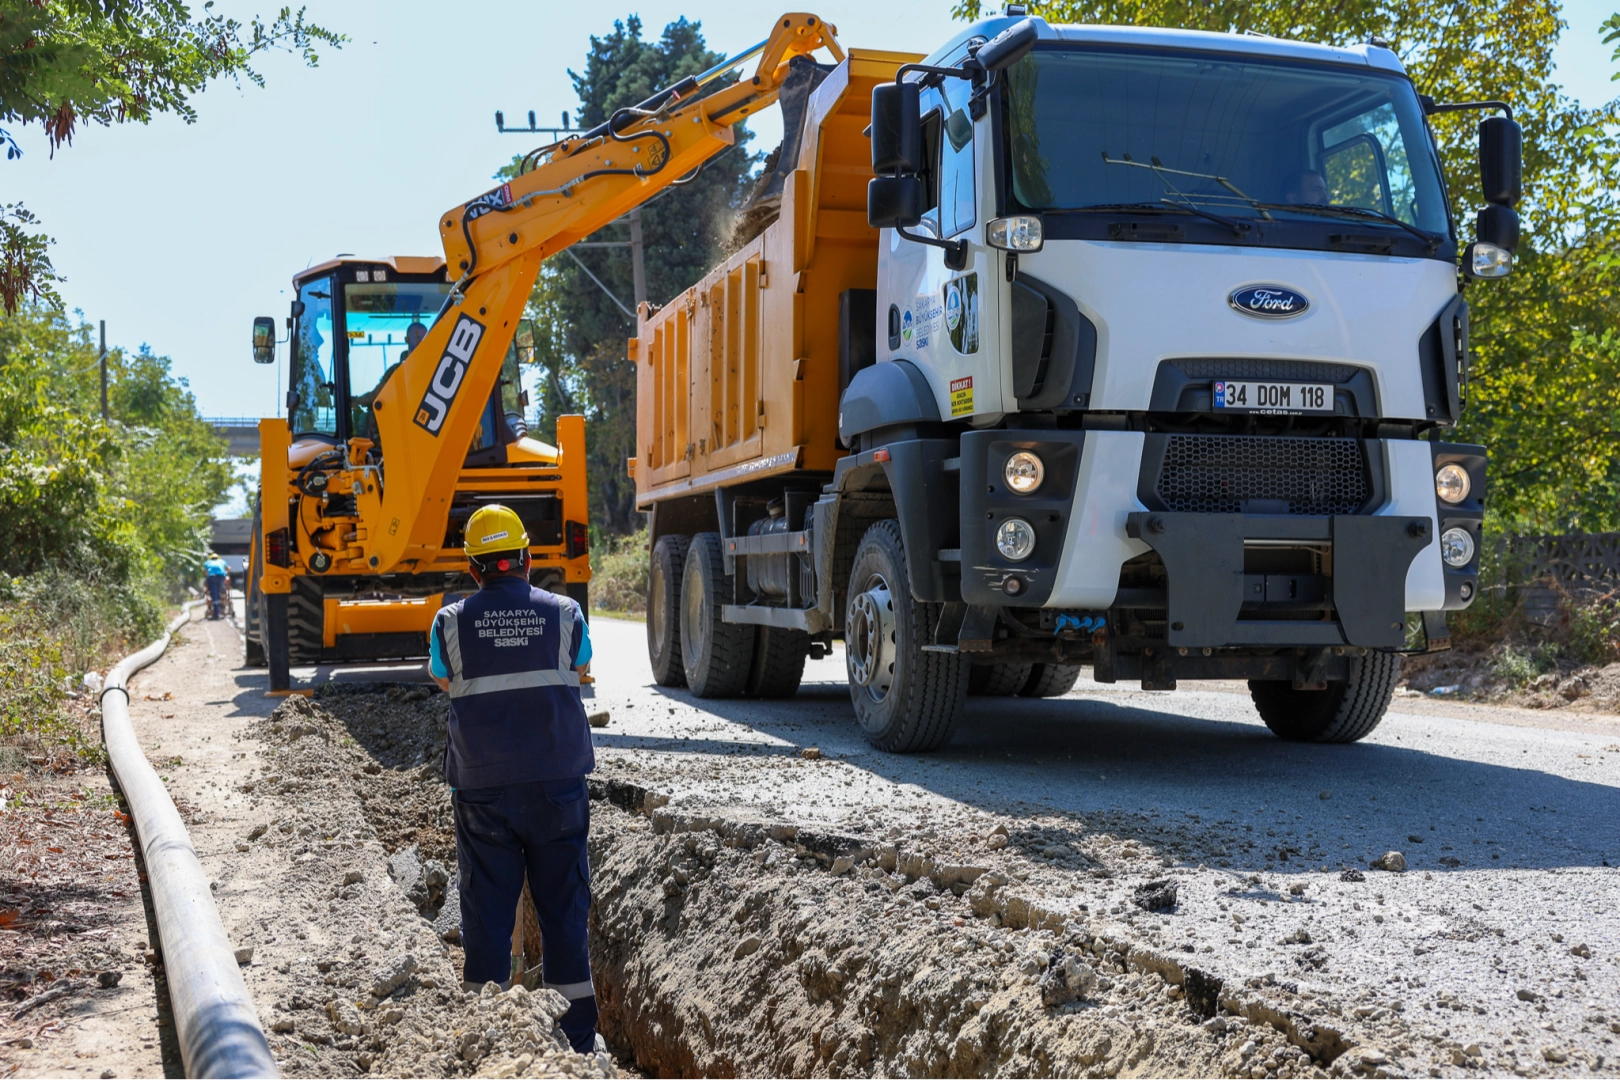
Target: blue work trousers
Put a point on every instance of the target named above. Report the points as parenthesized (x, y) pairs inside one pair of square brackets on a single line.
[(538, 828)]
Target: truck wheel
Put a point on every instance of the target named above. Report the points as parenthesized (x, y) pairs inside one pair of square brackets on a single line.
[(715, 655), (306, 621), (905, 698), (1051, 680), (779, 656), (664, 610), (998, 680), (1343, 713)]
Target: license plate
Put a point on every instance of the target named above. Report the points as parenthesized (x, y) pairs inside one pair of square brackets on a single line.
[(1274, 397)]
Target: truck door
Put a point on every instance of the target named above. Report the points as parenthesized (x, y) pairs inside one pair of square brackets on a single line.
[(948, 319)]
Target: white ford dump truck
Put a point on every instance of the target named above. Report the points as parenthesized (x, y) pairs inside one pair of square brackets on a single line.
[(1078, 345)]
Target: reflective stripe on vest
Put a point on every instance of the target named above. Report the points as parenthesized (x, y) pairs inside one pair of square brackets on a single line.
[(518, 680)]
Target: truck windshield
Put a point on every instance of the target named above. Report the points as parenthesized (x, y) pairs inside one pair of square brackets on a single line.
[(1243, 138), (384, 322)]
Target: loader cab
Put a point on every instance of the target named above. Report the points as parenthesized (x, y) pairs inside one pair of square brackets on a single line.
[(353, 323)]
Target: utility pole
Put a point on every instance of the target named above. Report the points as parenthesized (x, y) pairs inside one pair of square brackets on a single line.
[(104, 370), (638, 265)]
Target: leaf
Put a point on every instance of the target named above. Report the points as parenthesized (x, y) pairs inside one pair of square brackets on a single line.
[(10, 916)]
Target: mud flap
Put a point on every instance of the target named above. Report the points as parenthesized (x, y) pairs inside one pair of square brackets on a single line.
[(1203, 561)]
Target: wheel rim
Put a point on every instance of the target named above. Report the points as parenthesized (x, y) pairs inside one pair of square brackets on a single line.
[(869, 639), (655, 610), (692, 615)]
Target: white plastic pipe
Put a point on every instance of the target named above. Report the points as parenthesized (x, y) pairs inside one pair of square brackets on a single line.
[(218, 1027)]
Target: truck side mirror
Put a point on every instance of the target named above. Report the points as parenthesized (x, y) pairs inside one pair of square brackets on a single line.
[(894, 202), (264, 340), (1500, 160), (1490, 256), (1008, 47), (896, 129)]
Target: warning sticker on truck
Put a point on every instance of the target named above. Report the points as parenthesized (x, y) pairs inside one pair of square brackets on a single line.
[(962, 396)]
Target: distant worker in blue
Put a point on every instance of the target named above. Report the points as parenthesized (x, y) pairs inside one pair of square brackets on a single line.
[(217, 576), (510, 656)]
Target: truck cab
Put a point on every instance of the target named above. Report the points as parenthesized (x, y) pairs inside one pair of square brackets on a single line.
[(1167, 329)]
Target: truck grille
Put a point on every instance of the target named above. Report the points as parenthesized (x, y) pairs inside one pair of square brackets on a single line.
[(1231, 474)]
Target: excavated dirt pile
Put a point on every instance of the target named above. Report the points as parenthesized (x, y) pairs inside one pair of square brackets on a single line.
[(350, 833), (727, 942)]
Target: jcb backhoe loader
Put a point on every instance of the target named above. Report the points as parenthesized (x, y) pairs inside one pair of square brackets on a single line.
[(403, 403)]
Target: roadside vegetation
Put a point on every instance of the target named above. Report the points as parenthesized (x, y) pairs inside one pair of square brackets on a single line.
[(619, 573), (103, 522)]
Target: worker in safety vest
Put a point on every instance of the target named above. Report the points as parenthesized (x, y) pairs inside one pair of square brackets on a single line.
[(510, 655), (217, 576)]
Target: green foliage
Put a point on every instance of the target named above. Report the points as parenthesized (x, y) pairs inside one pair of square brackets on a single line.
[(578, 333), (1545, 392), (26, 272), (619, 572), (1518, 666), (1593, 629), (31, 675), (101, 522)]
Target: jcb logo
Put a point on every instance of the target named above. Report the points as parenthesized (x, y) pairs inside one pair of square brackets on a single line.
[(447, 378)]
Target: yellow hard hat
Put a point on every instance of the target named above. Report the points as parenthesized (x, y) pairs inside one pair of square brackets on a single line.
[(494, 528)]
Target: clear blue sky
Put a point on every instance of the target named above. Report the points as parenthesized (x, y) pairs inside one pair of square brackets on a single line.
[(179, 234)]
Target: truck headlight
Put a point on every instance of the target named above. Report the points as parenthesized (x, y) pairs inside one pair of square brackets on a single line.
[(1024, 472), (1456, 547), (1022, 232), (1451, 483), (1015, 539)]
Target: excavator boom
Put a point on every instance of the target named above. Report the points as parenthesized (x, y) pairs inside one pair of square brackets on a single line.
[(429, 409)]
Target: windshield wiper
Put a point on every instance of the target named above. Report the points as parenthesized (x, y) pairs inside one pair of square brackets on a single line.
[(1431, 239), (1164, 172), (1163, 206)]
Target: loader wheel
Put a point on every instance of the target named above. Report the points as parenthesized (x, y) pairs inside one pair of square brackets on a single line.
[(1051, 680), (779, 656), (252, 617), (906, 699), (998, 680), (715, 655), (664, 610), (306, 622), (1343, 713)]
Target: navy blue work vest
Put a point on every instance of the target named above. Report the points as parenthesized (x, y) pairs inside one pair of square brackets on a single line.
[(515, 713)]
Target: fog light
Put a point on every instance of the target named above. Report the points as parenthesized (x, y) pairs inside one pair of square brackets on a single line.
[(1015, 539), (1024, 472), (1483, 260), (1019, 233), (1451, 483), (1456, 547)]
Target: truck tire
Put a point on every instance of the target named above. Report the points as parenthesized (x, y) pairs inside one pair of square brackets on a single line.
[(306, 621), (1051, 680), (1343, 713), (779, 656), (906, 699), (664, 610), (716, 656), (998, 680)]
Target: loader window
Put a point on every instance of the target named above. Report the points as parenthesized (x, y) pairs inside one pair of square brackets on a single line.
[(312, 376), (383, 323)]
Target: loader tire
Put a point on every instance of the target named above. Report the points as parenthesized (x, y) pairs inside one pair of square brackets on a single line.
[(1343, 713), (306, 622), (252, 618), (778, 668), (998, 680), (1051, 680), (907, 699), (664, 610), (716, 656)]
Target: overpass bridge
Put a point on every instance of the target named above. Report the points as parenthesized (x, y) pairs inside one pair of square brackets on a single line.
[(242, 432)]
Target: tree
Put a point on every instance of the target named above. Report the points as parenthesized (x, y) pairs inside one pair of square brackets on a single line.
[(579, 331), (63, 62), (1545, 392)]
